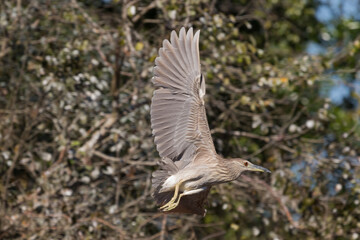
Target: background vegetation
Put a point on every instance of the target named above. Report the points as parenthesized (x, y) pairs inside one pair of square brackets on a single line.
[(76, 150)]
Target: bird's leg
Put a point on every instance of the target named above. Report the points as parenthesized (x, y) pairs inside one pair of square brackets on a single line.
[(172, 200), (174, 205)]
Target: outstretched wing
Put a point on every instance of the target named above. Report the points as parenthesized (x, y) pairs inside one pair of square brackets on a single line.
[(178, 116)]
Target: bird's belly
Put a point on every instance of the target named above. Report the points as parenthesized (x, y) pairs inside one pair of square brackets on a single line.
[(196, 184), (190, 185), (196, 177)]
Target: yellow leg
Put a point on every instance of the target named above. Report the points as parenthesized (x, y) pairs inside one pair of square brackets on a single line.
[(172, 200), (174, 205)]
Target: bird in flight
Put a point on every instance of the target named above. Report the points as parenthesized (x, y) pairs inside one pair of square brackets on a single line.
[(189, 164)]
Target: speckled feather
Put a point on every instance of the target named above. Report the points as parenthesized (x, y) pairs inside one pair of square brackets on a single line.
[(178, 116)]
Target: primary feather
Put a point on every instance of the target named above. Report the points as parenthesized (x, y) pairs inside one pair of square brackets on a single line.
[(178, 117)]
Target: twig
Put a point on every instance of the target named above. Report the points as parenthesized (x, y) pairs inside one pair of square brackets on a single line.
[(214, 235), (106, 223), (266, 146), (144, 11), (122, 160), (270, 190), (239, 133), (163, 227)]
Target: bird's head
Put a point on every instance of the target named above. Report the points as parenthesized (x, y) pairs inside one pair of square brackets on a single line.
[(245, 165)]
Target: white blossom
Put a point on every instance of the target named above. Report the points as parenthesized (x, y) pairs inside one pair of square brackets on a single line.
[(310, 124), (75, 53)]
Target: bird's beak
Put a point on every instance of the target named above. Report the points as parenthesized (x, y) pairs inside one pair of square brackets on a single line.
[(256, 168)]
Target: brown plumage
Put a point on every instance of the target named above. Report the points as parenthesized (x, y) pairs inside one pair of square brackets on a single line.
[(190, 164)]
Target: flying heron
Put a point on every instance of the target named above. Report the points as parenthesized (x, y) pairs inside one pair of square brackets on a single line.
[(189, 163)]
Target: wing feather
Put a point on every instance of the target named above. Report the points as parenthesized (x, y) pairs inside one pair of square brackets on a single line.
[(178, 117)]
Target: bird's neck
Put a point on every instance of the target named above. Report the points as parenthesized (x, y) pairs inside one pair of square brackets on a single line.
[(231, 168)]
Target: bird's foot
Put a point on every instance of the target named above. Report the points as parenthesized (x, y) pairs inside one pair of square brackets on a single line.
[(169, 203), (170, 206)]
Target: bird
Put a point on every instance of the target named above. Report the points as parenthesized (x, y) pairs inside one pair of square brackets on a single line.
[(189, 164)]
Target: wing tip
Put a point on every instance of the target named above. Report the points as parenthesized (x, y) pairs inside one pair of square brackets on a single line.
[(183, 34)]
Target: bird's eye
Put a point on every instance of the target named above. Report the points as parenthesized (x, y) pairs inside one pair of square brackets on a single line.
[(246, 164)]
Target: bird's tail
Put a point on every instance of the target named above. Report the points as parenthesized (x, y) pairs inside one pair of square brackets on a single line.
[(167, 168)]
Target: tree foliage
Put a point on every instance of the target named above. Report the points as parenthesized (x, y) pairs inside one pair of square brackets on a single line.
[(76, 150)]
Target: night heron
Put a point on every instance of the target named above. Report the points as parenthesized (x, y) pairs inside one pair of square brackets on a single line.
[(189, 163)]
